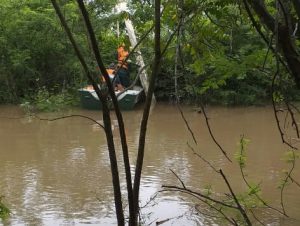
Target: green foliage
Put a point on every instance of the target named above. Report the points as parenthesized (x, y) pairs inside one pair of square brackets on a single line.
[(45, 101), (290, 156), (222, 59), (278, 97), (208, 190), (35, 52), (4, 211), (240, 155)]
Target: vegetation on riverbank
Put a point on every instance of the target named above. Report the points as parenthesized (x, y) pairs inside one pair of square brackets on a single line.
[(220, 57), (202, 52), (4, 211)]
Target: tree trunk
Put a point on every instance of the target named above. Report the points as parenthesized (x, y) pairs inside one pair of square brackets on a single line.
[(285, 40), (143, 128)]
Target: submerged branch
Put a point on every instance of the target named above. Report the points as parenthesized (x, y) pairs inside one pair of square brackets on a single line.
[(69, 116)]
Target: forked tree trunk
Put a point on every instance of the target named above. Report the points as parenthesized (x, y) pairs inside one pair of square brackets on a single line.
[(286, 41)]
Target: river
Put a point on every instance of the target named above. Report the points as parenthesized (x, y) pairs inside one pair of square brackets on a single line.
[(58, 173)]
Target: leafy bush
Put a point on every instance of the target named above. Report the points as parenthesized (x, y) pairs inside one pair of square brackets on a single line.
[(46, 101), (4, 211)]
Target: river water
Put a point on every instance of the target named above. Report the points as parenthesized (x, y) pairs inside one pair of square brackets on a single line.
[(58, 173)]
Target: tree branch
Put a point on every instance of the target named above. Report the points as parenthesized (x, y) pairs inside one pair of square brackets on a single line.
[(241, 209)]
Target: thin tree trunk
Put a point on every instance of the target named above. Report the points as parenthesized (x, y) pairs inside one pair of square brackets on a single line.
[(286, 43), (143, 128), (106, 114)]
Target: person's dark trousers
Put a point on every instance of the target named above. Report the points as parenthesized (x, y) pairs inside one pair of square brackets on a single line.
[(124, 77)]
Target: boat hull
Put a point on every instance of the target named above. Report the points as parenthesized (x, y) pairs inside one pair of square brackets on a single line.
[(126, 100)]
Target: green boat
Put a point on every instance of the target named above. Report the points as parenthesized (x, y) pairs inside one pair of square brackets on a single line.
[(127, 99)]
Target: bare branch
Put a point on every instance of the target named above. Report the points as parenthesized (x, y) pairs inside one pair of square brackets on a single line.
[(294, 181), (257, 27), (285, 181), (203, 159), (211, 134), (219, 210), (197, 194), (70, 116), (242, 150), (282, 135), (294, 122), (269, 47), (255, 217), (178, 178), (241, 209), (143, 128), (186, 123)]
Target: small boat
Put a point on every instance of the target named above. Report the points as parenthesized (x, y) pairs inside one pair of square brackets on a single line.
[(127, 99)]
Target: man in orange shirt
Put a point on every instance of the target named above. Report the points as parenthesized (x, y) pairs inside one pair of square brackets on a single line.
[(122, 68)]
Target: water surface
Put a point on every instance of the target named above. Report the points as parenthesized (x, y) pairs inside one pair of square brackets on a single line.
[(58, 173)]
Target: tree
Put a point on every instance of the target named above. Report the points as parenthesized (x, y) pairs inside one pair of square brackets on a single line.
[(281, 19), (133, 191)]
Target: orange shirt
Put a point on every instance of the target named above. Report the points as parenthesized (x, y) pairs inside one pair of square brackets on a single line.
[(122, 54)]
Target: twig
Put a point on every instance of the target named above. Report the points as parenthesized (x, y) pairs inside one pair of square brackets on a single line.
[(285, 123), (296, 108), (204, 200), (197, 194), (134, 81), (240, 208), (266, 56), (178, 178), (257, 27), (294, 122), (202, 158), (69, 116), (150, 200), (205, 214), (293, 181), (255, 217), (186, 123), (211, 134), (242, 149), (275, 110), (285, 181), (214, 22)]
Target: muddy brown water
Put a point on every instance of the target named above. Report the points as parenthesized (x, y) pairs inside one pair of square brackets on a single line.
[(57, 173)]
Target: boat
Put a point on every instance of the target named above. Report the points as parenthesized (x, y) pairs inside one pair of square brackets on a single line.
[(127, 99)]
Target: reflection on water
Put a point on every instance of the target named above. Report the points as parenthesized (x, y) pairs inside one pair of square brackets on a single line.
[(58, 173)]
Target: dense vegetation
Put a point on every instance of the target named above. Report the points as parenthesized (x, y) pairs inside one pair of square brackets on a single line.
[(4, 211), (204, 51), (220, 56)]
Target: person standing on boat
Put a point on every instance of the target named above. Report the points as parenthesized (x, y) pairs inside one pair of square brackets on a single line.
[(122, 67)]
